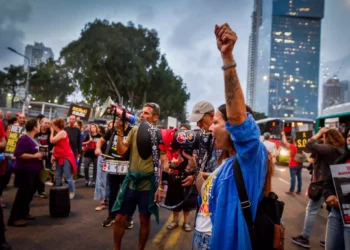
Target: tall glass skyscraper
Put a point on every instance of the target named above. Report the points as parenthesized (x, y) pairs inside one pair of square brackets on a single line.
[(286, 78)]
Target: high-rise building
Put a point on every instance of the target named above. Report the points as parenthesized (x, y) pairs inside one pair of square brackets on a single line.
[(37, 54), (253, 55), (334, 92), (347, 93), (287, 58)]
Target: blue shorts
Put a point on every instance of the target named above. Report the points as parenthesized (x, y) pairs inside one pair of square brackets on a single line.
[(135, 198)]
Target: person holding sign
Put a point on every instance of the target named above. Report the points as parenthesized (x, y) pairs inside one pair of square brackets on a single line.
[(325, 154), (27, 167), (337, 233), (294, 167)]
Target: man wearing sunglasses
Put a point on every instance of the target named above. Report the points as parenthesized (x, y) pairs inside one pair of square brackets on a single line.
[(138, 184)]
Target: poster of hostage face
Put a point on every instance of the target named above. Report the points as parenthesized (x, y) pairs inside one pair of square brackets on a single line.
[(341, 181)]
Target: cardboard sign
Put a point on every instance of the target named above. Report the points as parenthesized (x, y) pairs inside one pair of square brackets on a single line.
[(15, 133), (341, 181), (301, 140), (79, 111)]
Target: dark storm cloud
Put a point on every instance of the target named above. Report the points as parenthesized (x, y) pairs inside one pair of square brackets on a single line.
[(11, 14)]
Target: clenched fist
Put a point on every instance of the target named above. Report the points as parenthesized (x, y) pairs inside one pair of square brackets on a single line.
[(225, 39)]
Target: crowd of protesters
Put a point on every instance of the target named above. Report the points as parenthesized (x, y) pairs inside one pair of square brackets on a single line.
[(220, 222)]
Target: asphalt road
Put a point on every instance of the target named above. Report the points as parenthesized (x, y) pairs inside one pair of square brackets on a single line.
[(83, 229)]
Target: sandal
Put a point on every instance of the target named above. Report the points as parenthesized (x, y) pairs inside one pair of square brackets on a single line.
[(187, 227), (100, 207), (174, 224)]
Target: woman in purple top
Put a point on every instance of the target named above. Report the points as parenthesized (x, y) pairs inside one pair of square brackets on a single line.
[(27, 167)]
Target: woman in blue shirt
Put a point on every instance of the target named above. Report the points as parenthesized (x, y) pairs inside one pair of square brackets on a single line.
[(220, 223)]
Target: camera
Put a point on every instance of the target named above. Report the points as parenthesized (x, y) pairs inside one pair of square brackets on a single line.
[(170, 139)]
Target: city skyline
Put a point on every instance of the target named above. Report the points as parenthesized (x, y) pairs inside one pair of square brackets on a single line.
[(287, 58), (185, 30)]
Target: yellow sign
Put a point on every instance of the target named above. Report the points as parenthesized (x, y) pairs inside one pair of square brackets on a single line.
[(15, 133)]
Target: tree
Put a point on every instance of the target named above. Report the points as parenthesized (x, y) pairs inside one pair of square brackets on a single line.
[(259, 116), (51, 82), (11, 79), (112, 59)]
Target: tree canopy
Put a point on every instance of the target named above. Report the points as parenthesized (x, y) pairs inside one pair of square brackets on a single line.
[(11, 79), (50, 81), (111, 59)]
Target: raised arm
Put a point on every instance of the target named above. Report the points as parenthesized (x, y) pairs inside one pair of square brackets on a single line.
[(285, 142), (235, 105), (60, 135)]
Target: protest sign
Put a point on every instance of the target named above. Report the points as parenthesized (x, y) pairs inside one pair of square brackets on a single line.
[(301, 140), (79, 111), (341, 181), (15, 133)]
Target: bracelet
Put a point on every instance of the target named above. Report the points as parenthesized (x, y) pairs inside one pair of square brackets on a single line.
[(229, 65), (161, 189)]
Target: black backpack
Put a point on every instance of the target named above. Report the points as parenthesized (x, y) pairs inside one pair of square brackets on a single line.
[(266, 232)]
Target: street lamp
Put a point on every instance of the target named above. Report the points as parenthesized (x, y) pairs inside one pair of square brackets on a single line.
[(27, 80)]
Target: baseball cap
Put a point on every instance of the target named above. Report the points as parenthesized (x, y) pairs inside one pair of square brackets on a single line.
[(199, 110)]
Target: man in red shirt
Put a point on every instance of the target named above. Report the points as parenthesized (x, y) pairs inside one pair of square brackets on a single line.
[(3, 243)]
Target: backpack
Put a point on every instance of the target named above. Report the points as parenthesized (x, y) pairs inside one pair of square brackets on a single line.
[(267, 231)]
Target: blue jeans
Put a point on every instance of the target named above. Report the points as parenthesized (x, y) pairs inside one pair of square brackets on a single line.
[(101, 188), (312, 209), (200, 241), (295, 171), (65, 170), (337, 236)]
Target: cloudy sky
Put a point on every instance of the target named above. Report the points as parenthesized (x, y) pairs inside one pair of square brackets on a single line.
[(185, 29)]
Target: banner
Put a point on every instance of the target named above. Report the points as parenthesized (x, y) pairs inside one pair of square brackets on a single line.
[(301, 140), (79, 111), (15, 133), (341, 181)]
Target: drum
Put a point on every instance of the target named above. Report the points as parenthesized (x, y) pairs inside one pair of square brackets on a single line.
[(115, 167)]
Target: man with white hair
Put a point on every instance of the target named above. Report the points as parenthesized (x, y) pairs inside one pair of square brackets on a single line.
[(270, 146)]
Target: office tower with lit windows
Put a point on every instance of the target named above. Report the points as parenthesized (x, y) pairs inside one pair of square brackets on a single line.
[(37, 54), (288, 58)]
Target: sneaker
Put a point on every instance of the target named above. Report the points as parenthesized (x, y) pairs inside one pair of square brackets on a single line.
[(301, 241), (93, 184), (288, 192), (322, 243), (43, 195), (129, 223), (49, 183), (86, 183), (71, 195), (108, 222), (17, 223), (100, 207)]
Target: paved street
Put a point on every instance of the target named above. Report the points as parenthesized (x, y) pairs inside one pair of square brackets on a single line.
[(83, 230)]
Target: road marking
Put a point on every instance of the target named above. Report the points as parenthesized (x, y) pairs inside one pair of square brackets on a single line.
[(283, 180), (174, 236), (280, 169), (160, 235)]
